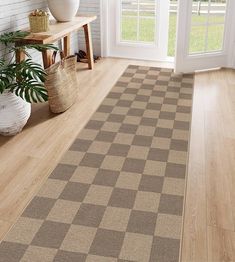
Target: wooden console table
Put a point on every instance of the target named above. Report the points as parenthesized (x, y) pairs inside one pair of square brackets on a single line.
[(59, 31)]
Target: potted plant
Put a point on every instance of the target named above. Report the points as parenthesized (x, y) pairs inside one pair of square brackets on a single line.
[(20, 84), (63, 10)]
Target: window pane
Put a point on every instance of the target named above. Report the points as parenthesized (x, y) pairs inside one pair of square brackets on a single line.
[(147, 29), (200, 10), (126, 12), (147, 13), (207, 31), (217, 11), (147, 5), (216, 19), (199, 18), (172, 33), (147, 2), (197, 39), (215, 38), (129, 28), (129, 5), (138, 20)]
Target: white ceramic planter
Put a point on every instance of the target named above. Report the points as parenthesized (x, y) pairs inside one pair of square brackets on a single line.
[(63, 10), (14, 113)]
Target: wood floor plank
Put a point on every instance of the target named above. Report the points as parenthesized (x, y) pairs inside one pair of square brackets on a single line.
[(4, 228), (221, 245), (194, 244), (13, 186), (219, 201), (219, 206)]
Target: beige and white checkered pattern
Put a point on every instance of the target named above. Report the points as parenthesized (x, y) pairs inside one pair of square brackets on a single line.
[(117, 194)]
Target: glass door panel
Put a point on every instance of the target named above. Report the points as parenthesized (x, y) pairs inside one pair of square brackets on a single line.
[(207, 26), (205, 33)]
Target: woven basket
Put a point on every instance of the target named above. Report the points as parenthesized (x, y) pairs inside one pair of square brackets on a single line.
[(62, 84), (39, 23)]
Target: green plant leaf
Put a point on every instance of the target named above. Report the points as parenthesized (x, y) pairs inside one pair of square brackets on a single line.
[(6, 75), (30, 70), (31, 91), (26, 79), (37, 47), (44, 47), (11, 37)]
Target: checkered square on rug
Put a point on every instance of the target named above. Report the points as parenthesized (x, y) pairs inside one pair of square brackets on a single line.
[(118, 192)]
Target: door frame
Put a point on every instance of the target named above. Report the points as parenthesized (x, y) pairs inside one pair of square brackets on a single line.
[(184, 62), (105, 35)]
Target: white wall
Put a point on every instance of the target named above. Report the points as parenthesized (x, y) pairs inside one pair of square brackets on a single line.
[(14, 16)]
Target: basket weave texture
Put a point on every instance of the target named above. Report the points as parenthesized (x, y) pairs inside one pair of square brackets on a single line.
[(62, 84), (39, 23)]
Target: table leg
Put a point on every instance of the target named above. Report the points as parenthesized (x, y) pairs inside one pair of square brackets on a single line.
[(20, 56), (89, 48), (47, 58), (67, 45)]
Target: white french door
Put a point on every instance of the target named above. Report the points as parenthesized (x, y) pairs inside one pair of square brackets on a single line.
[(205, 36), (137, 29)]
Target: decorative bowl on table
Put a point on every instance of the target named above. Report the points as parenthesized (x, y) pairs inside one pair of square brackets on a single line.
[(63, 10)]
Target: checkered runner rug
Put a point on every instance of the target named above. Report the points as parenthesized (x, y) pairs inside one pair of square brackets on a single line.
[(118, 192)]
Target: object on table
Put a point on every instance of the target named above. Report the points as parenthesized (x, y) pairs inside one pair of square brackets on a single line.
[(39, 21), (63, 11)]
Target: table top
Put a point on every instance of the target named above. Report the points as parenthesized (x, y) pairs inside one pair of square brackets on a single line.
[(57, 30)]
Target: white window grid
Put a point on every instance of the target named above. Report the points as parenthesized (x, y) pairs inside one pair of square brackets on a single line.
[(138, 11)]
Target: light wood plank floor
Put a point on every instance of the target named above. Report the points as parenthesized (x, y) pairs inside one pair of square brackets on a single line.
[(27, 159)]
